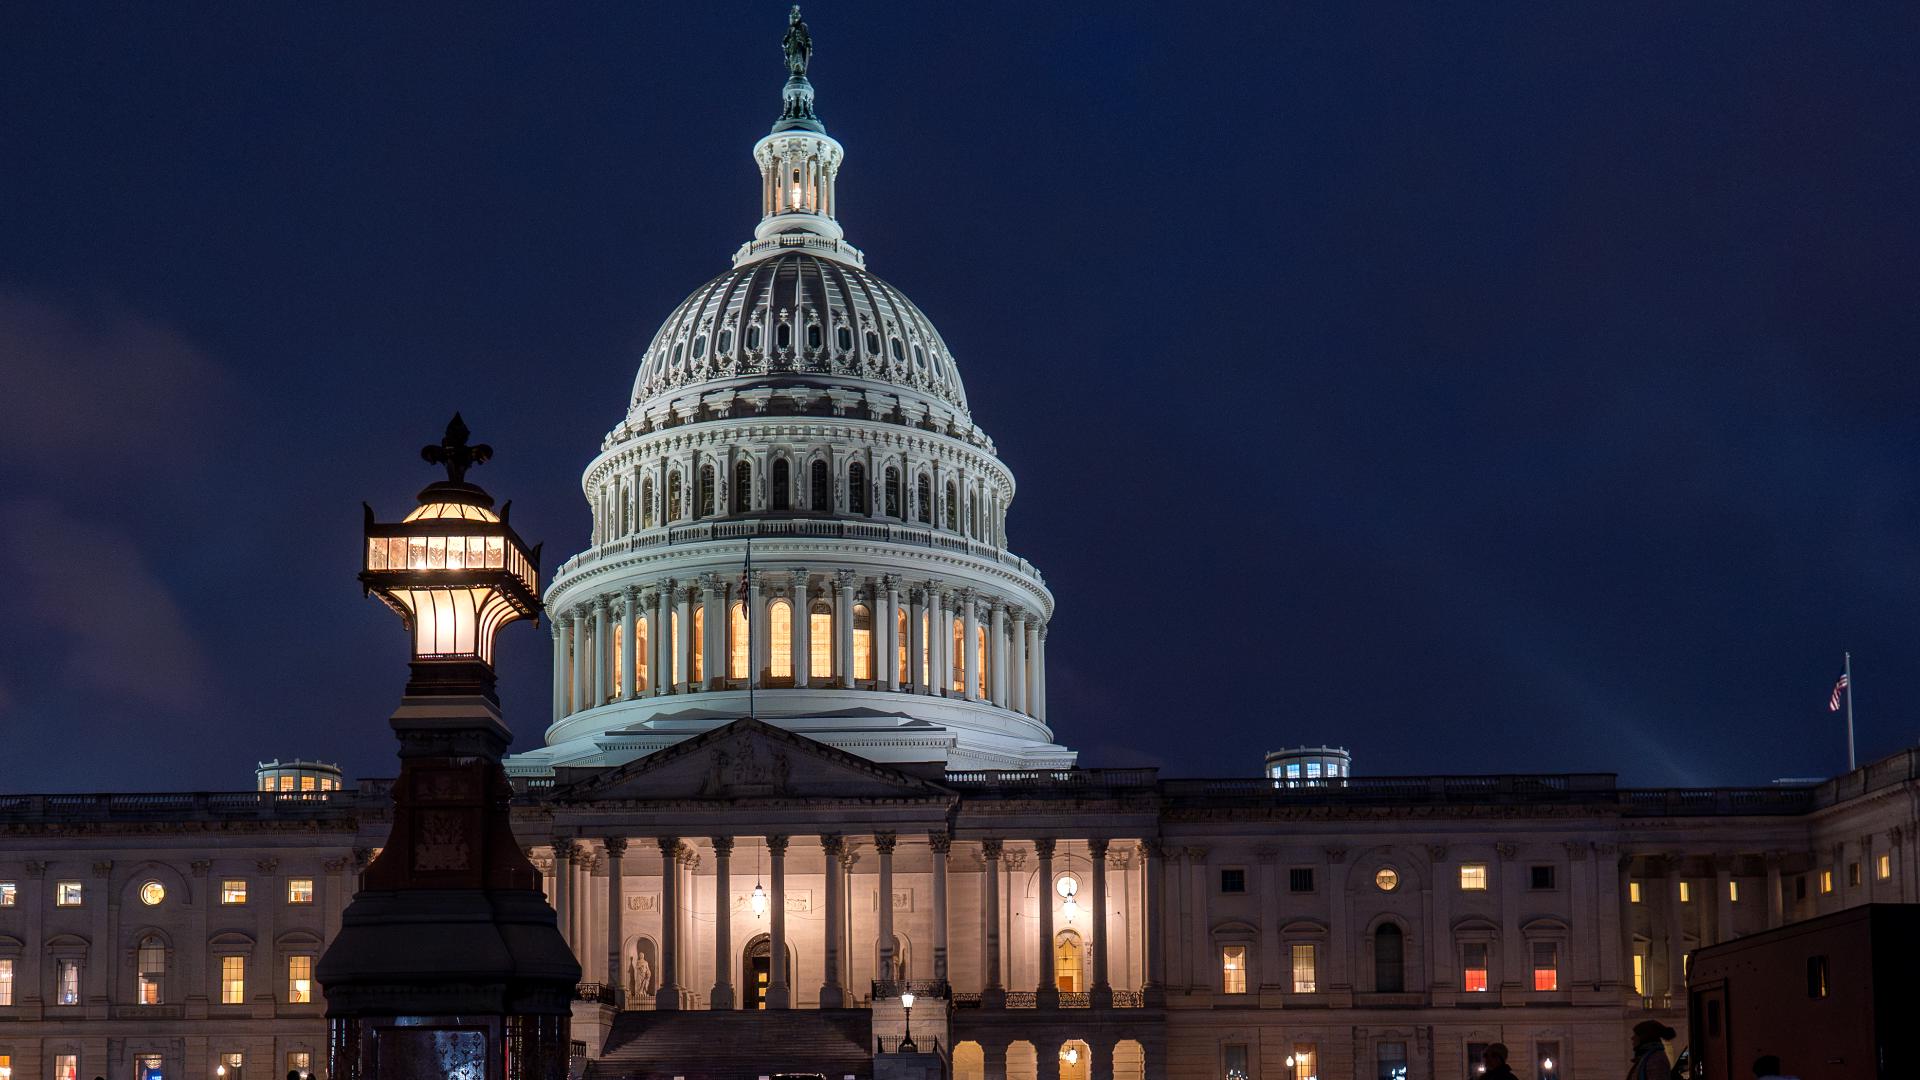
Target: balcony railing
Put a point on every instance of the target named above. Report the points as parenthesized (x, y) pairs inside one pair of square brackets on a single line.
[(1022, 999), (926, 988), (599, 993), (822, 528), (1129, 999)]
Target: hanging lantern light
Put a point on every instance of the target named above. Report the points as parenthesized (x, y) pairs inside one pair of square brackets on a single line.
[(758, 898)]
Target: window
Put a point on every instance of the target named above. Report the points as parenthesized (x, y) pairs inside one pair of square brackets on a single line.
[(953, 508), (1546, 965), (67, 894), (753, 337), (819, 492), (233, 980), (1816, 976), (780, 663), (1640, 973), (300, 1061), (1541, 877), (299, 979), (1686, 892), (959, 657), (862, 642), (843, 338), (673, 497), (704, 492), (1826, 881), (1390, 1060), (1882, 866), (1476, 1058), (66, 1067), (1305, 971), (904, 672), (899, 354), (856, 488), (233, 892), (1548, 1055), (1386, 879), (1473, 877), (980, 660), (814, 337), (1233, 1061), (1300, 879), (672, 673), (1853, 874), (646, 504), (697, 648), (1233, 880), (725, 344), (742, 486), (641, 665), (873, 341), (782, 484), (892, 493), (923, 500), (9, 894), (1473, 967), (783, 336), (1233, 969), (1389, 959), (1733, 891), (1302, 1063), (300, 890), (737, 641), (6, 982), (1633, 892), (66, 981), (235, 1064), (1800, 887), (820, 642), (151, 961)]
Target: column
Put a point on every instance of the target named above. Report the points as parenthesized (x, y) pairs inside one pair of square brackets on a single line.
[(969, 646), (1154, 905), (913, 678), (883, 845), (1776, 900), (757, 630), (942, 844), (1040, 678), (616, 937), (667, 992), (843, 628), (1676, 984), (887, 633), (660, 643), (995, 994), (779, 995), (1102, 988), (802, 629), (722, 997), (561, 632), (1033, 666), (997, 654), (939, 642), (1017, 671), (602, 650), (629, 646), (563, 850), (713, 595), (1201, 971), (583, 910), (833, 993), (1722, 898), (683, 641), (1049, 988), (579, 664)]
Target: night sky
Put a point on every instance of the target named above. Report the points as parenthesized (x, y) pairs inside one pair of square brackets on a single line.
[(1525, 387)]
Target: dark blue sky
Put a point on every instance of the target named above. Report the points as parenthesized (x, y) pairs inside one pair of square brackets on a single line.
[(1517, 387)]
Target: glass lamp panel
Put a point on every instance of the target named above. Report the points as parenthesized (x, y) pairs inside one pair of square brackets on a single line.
[(376, 553), (496, 552)]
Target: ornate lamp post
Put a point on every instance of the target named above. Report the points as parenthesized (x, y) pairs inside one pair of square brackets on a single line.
[(906, 1044), (449, 961)]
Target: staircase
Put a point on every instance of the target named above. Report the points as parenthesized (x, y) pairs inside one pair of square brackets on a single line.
[(729, 1045)]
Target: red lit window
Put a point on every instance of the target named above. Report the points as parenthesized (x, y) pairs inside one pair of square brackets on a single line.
[(1474, 968)]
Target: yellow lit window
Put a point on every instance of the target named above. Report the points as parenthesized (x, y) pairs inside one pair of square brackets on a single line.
[(151, 958), (673, 647), (307, 783), (1473, 877), (1306, 974), (1686, 892), (300, 1061), (1640, 973), (233, 891), (1883, 866), (641, 663), (926, 650), (6, 984), (1302, 1063), (1633, 892), (66, 1067), (737, 635), (980, 660), (1233, 969), (957, 680), (300, 890), (699, 645), (1733, 892), (299, 979), (1546, 965), (1826, 881), (234, 1064), (1473, 967), (862, 642), (9, 894), (286, 783), (67, 894), (233, 980), (780, 639), (619, 659), (820, 641), (904, 670)]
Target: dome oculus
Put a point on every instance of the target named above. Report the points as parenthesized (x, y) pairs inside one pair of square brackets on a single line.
[(1386, 879), (152, 893)]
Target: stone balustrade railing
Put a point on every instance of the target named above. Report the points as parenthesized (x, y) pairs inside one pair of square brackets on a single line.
[(700, 532)]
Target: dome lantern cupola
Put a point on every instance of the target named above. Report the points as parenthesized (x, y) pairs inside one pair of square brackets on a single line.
[(799, 166)]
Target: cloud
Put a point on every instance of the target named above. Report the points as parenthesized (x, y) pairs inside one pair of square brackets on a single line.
[(120, 632)]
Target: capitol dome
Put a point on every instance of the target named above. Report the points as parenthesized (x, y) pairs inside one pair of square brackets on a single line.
[(796, 519)]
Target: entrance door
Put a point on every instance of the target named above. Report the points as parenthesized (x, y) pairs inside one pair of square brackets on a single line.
[(1066, 964), (756, 970)]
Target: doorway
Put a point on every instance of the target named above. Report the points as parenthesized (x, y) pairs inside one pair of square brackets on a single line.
[(1066, 963), (756, 972)]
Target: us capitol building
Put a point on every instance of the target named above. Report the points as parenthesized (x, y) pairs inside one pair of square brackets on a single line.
[(801, 764)]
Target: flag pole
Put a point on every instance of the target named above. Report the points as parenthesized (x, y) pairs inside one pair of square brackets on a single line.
[(747, 602), (1849, 673)]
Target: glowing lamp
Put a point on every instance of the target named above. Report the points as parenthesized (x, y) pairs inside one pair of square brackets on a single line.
[(454, 571), (906, 1002), (758, 900), (1071, 1055), (1546, 1064)]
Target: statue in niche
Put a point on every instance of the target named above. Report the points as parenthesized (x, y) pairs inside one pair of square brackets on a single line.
[(639, 968)]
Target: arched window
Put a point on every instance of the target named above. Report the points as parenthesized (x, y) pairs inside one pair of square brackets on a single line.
[(699, 644), (980, 660), (641, 664), (782, 483), (152, 962), (856, 488), (926, 650), (893, 492), (862, 642), (706, 491), (646, 504), (780, 639), (820, 641), (737, 636), (742, 486), (1389, 959), (953, 507), (673, 648), (923, 499), (956, 678), (819, 491), (673, 497), (619, 658)]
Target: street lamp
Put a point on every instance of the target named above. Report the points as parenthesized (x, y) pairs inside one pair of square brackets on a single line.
[(1546, 1066), (906, 1044)]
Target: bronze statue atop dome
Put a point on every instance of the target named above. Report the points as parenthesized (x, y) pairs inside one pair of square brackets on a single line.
[(798, 44)]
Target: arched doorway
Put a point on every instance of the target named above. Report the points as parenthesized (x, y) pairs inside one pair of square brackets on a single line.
[(1076, 1061), (1129, 1060), (756, 971), (1067, 970), (969, 1062)]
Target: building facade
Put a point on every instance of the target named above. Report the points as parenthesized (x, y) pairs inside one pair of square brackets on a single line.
[(800, 761)]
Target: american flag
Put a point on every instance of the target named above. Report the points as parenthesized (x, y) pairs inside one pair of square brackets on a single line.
[(1839, 688)]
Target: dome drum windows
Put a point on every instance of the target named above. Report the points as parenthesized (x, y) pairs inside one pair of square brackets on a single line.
[(754, 336), (782, 485), (893, 492), (857, 489), (706, 494), (742, 486), (923, 500), (675, 505), (783, 336), (815, 336), (843, 337), (819, 487)]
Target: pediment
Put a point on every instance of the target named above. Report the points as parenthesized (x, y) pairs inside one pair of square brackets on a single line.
[(746, 759)]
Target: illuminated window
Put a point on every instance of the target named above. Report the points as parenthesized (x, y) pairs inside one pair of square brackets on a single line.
[(1883, 866), (1233, 969), (926, 649), (1473, 877), (674, 504), (233, 980), (1390, 1061), (300, 1061), (980, 660), (1686, 892), (66, 1067), (698, 646), (233, 892), (780, 638), (642, 664), (299, 980), (900, 635), (1473, 967), (151, 960), (1633, 892), (286, 783), (66, 981), (856, 488), (820, 641), (67, 894), (234, 1063), (742, 486), (862, 642), (646, 504), (1640, 973), (1826, 881), (956, 680), (152, 892), (781, 489), (737, 634), (1546, 965), (6, 982), (1305, 972), (1733, 892), (300, 890), (1233, 1061), (1303, 1063)]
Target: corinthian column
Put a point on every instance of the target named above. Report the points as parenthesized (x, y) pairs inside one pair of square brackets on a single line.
[(629, 646), (843, 629), (602, 648), (616, 937), (996, 654), (942, 844), (1017, 670), (722, 997), (1049, 989), (683, 641), (779, 994), (713, 632), (667, 995), (993, 993), (802, 629), (832, 988), (660, 642), (581, 650), (560, 635), (1102, 989), (889, 659), (883, 845)]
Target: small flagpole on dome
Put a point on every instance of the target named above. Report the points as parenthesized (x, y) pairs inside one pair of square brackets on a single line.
[(1848, 671)]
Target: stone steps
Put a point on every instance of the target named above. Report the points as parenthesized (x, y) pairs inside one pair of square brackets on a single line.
[(729, 1045)]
